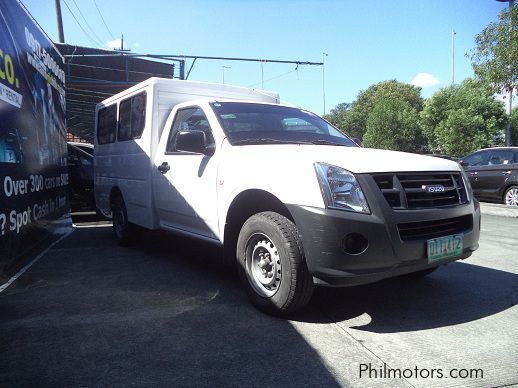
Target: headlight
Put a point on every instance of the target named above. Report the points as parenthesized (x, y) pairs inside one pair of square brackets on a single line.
[(340, 189)]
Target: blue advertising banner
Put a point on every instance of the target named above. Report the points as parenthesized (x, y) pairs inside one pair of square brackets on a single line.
[(33, 172)]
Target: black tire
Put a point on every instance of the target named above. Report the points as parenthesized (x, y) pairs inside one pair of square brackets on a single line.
[(511, 196), (123, 229), (269, 235), (419, 274)]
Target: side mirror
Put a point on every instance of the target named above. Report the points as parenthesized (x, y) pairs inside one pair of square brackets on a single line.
[(194, 141), (463, 163)]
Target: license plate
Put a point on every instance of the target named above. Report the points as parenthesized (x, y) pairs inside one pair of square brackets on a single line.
[(445, 247)]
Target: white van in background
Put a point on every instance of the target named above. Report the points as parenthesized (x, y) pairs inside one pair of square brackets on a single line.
[(292, 198)]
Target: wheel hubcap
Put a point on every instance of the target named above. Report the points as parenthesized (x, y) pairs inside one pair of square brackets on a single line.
[(263, 265), (511, 198)]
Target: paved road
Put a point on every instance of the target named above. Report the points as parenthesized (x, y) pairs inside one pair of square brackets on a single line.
[(90, 313)]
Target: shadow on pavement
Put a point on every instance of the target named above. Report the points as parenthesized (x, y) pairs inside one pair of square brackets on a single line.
[(92, 313), (455, 294)]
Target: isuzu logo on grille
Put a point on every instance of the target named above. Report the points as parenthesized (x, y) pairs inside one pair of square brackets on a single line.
[(433, 188)]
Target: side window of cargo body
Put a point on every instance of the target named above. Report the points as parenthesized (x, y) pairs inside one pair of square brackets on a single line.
[(189, 119), (107, 124), (132, 117)]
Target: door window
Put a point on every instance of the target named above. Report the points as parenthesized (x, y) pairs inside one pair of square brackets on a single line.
[(189, 119), (500, 157), (477, 159)]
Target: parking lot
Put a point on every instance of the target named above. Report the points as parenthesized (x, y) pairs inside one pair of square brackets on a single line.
[(164, 312)]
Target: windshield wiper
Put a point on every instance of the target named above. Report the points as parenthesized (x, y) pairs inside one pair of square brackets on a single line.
[(268, 141), (325, 142)]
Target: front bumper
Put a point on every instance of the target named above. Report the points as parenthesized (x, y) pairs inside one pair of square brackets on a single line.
[(386, 254)]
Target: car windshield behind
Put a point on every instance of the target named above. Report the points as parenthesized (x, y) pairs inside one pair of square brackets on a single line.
[(248, 123)]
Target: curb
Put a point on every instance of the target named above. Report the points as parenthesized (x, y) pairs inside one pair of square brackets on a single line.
[(498, 210)]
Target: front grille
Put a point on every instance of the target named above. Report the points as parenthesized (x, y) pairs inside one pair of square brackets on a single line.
[(408, 190), (424, 230)]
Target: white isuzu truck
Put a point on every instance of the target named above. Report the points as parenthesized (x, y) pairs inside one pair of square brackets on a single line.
[(293, 199)]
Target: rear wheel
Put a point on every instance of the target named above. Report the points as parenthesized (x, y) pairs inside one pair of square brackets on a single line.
[(123, 229), (511, 196), (272, 264)]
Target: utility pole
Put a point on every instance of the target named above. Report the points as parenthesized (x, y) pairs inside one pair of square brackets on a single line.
[(262, 75), (324, 55), (510, 89), (223, 69), (453, 33), (60, 22), (122, 44)]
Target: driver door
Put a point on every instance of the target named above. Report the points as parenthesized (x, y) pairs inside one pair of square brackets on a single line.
[(185, 190)]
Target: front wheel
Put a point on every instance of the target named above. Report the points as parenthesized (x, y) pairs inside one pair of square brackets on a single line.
[(511, 196), (272, 264)]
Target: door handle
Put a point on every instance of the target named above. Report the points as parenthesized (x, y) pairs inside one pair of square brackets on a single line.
[(506, 172), (164, 167), (474, 173)]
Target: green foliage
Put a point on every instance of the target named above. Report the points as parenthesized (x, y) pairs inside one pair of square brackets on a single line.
[(355, 120), (394, 124), (338, 115), (495, 58), (514, 128), (460, 119)]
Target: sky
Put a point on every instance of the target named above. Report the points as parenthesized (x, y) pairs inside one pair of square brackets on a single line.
[(365, 41)]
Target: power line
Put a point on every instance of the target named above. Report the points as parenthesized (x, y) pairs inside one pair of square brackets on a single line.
[(275, 77), (88, 25), (101, 15), (80, 26)]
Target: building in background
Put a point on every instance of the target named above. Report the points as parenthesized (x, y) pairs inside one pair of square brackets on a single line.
[(93, 75)]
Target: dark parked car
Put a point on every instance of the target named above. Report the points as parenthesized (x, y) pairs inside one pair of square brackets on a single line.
[(81, 176), (493, 173)]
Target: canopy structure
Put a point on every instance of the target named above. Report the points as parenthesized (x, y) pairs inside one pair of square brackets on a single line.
[(95, 74)]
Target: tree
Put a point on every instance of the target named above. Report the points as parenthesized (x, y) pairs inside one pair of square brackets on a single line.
[(459, 119), (394, 124), (355, 120), (514, 127), (338, 115), (495, 58)]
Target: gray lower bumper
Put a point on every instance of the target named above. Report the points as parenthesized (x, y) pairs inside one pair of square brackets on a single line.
[(385, 254)]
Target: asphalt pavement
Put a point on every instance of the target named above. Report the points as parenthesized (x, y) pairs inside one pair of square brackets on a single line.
[(164, 312)]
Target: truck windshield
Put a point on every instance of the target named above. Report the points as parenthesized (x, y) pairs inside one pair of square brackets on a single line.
[(248, 123)]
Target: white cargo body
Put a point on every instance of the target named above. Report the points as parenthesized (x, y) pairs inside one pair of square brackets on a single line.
[(128, 165)]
